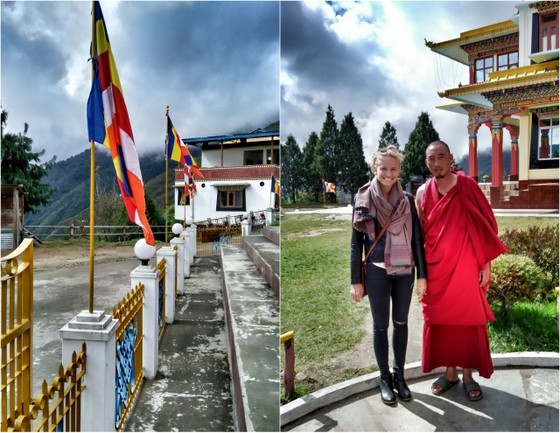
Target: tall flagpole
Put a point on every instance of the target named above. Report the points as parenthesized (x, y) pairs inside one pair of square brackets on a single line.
[(166, 169), (185, 203), (92, 175)]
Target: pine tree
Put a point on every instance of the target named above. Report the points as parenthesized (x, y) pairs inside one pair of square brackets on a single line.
[(326, 154), (291, 164), (388, 136), (312, 178), (353, 165), (20, 166), (328, 149), (415, 150)]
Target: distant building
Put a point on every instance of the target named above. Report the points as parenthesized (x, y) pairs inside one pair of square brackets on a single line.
[(12, 216), (238, 171), (513, 86)]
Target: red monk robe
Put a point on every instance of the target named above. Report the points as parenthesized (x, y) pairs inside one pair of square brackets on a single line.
[(460, 236)]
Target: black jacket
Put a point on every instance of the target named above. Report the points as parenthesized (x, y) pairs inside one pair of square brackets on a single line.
[(360, 244)]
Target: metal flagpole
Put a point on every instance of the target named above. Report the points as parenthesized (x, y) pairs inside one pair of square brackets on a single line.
[(272, 190), (166, 169), (185, 202), (92, 175)]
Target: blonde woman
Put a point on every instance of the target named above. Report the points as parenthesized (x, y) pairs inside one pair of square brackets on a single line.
[(384, 212)]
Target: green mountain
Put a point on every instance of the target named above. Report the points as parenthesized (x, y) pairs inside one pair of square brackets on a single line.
[(71, 179), (485, 163)]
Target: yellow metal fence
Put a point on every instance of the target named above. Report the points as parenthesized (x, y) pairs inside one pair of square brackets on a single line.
[(16, 324), (161, 296), (58, 406), (209, 239), (129, 338)]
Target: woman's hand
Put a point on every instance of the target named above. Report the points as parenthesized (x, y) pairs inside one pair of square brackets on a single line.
[(357, 292), (421, 286)]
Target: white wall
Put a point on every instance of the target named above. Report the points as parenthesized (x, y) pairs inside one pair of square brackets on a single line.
[(525, 24), (257, 198)]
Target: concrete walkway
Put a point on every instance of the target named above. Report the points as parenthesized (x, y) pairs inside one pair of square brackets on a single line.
[(515, 399), (191, 391)]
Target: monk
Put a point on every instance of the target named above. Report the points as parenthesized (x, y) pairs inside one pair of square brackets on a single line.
[(460, 241)]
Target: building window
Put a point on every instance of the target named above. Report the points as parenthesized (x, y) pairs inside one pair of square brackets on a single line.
[(231, 200), (483, 68), (549, 32), (508, 61), (182, 199), (548, 138), (253, 157), (275, 154)]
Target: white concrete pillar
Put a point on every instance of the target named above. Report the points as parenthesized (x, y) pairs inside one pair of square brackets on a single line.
[(269, 216), (186, 258), (193, 246), (191, 240), (180, 244), (169, 254), (97, 330), (148, 276), (245, 227)]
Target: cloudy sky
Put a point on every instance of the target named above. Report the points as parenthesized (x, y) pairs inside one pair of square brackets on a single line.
[(369, 58), (216, 64)]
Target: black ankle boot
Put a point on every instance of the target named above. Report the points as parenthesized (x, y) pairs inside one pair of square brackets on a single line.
[(402, 388), (386, 387)]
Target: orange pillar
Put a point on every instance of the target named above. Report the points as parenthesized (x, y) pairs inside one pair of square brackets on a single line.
[(473, 152), (496, 189)]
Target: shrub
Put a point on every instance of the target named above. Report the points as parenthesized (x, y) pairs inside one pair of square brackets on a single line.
[(515, 278), (540, 244)]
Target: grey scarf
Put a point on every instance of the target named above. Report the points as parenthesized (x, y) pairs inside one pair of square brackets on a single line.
[(369, 203)]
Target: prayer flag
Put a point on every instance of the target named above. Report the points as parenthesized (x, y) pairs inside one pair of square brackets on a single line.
[(275, 186), (329, 187), (178, 151), (174, 142), (108, 124)]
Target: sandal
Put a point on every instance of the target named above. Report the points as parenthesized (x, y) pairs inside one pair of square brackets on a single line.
[(472, 387), (444, 383)]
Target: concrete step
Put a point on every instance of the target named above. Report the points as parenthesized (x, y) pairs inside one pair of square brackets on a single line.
[(192, 388), (252, 323), (272, 234), (265, 254)]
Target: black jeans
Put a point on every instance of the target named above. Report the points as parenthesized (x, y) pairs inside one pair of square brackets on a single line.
[(382, 289)]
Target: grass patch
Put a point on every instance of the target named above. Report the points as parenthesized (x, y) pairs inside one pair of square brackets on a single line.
[(315, 274), (522, 223), (526, 327)]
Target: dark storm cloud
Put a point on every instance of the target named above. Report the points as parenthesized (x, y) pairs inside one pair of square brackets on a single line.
[(325, 65), (216, 64), (382, 71)]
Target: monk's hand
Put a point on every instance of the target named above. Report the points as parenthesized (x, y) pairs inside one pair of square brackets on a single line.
[(484, 275), (421, 286), (357, 292)]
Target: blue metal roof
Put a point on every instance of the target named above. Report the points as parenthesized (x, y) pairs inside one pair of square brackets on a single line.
[(218, 138)]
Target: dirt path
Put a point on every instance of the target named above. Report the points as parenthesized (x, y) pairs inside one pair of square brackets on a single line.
[(45, 257)]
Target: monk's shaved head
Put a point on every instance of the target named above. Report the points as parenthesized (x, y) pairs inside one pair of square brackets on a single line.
[(436, 143)]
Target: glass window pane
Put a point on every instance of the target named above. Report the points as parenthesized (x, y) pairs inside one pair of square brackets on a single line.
[(479, 76), (488, 62), (502, 59), (514, 58)]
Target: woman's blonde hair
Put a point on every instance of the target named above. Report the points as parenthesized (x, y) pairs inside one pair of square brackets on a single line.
[(390, 150)]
